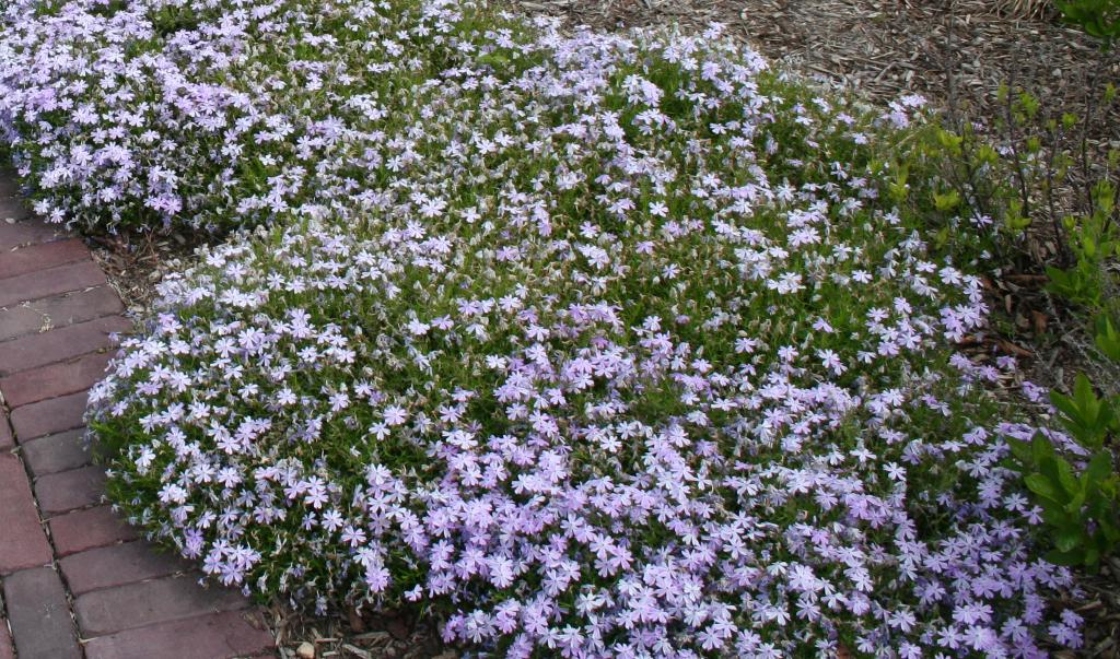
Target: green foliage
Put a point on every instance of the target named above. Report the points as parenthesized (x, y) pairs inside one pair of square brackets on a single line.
[(939, 175), (1078, 509), (1079, 284), (1035, 174), (172, 19), (1080, 501), (1099, 18), (1107, 337), (1093, 241), (1011, 179), (1086, 417)]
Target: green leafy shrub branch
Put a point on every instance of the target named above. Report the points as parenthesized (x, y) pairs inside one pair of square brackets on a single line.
[(1039, 175)]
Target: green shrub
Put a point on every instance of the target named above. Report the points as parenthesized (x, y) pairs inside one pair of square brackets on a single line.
[(1080, 500), (1099, 18), (595, 345), (1038, 176)]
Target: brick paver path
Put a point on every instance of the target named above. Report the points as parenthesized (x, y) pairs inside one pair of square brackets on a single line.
[(74, 580)]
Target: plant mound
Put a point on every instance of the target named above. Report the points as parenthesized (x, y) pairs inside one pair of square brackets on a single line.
[(202, 115), (596, 345)]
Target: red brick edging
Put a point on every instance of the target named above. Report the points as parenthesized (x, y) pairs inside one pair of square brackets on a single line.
[(75, 581)]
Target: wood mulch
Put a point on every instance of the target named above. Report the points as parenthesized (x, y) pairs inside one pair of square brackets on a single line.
[(942, 49)]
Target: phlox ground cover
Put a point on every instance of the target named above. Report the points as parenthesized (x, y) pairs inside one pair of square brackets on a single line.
[(201, 115), (591, 345)]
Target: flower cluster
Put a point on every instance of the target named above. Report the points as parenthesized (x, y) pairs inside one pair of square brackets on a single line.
[(207, 115), (600, 345)]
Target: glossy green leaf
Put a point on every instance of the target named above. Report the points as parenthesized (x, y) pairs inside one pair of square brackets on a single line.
[(1068, 539), (1044, 487)]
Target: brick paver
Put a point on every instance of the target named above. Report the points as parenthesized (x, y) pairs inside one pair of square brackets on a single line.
[(15, 234), (88, 529), (70, 490), (54, 380), (35, 350), (49, 416), (118, 565), (55, 453), (128, 601), (213, 636), (7, 441), (58, 311), (9, 187), (33, 258), (22, 541), (6, 650), (40, 615), (62, 279), (149, 602)]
